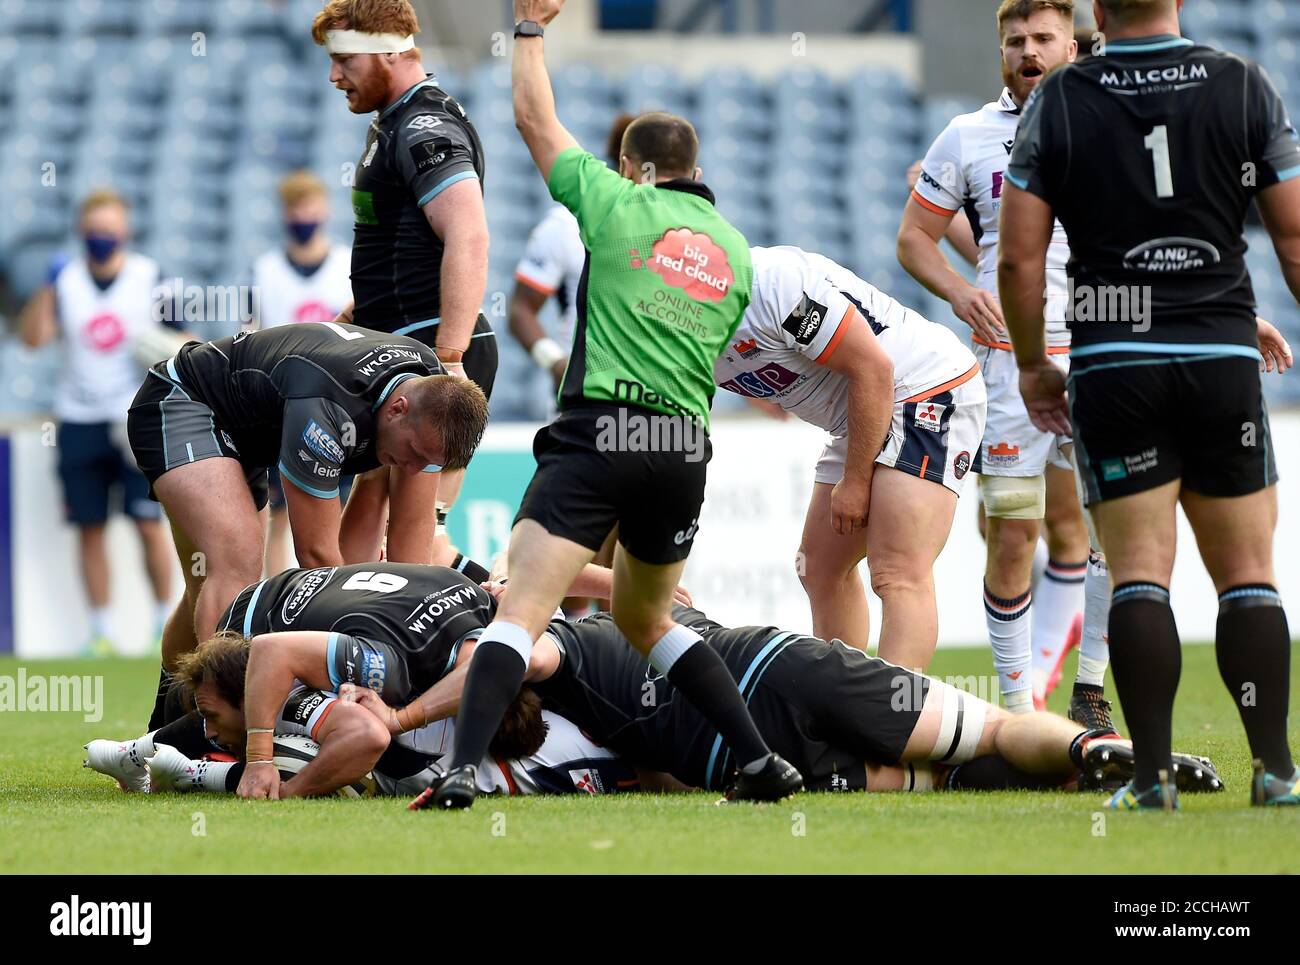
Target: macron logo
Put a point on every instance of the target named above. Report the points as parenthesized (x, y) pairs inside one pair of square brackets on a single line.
[(131, 918)]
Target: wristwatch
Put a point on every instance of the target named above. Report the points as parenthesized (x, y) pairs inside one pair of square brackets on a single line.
[(528, 28)]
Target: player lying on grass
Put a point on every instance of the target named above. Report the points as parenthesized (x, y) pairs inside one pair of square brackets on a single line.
[(325, 746), (392, 626), (846, 720)]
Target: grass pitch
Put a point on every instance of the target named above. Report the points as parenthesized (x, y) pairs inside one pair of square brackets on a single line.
[(56, 817)]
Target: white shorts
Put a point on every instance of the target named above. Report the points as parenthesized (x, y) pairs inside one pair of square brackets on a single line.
[(1012, 445), (935, 435)]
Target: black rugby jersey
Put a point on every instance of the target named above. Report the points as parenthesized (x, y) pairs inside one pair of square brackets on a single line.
[(417, 147), (1150, 154), (301, 396)]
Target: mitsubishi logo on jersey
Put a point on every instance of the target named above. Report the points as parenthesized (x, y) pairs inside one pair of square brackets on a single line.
[(587, 781), (104, 332)]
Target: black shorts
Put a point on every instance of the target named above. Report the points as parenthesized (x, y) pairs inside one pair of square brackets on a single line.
[(828, 708), (589, 479), (168, 428), (480, 359), (93, 467), (1142, 422)]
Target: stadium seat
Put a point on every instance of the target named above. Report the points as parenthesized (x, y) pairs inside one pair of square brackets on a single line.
[(30, 16), (175, 17)]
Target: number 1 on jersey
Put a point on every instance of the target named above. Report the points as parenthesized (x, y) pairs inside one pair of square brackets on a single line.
[(1157, 142)]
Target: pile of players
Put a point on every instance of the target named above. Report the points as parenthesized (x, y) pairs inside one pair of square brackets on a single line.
[(371, 659)]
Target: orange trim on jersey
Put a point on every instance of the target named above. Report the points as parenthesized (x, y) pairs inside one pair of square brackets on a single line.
[(931, 206), (510, 778), (1008, 347), (325, 713), (834, 343), (534, 285), (924, 463), (950, 384)]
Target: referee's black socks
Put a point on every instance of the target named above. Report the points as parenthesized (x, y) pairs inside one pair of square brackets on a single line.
[(1146, 660), (1253, 645), (695, 669), (496, 672)]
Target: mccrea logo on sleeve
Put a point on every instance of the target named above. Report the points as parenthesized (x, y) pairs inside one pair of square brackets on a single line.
[(805, 321), (319, 441)]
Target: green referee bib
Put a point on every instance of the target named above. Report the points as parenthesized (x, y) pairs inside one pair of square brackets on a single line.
[(666, 282)]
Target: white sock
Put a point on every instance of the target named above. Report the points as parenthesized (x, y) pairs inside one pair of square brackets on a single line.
[(1041, 556), (669, 648), (1094, 647), (142, 748), (1009, 623), (101, 619), (211, 775), (1058, 602)]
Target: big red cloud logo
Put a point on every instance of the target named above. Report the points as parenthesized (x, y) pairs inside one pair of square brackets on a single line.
[(105, 331), (693, 263)]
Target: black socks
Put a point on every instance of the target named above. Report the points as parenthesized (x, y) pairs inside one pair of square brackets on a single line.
[(1253, 647), (1146, 660)]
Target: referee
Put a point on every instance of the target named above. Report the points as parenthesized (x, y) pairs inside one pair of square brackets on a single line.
[(420, 255), (665, 284), (1149, 153)]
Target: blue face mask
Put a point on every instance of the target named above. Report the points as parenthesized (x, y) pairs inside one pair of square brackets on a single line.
[(302, 231), (100, 248)]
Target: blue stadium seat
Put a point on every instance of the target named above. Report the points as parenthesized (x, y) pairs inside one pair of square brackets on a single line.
[(1274, 17), (250, 17), (175, 17), (96, 17), (30, 17), (56, 120)]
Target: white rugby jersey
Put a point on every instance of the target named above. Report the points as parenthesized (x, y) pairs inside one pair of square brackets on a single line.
[(100, 375), (552, 264), (798, 304), (964, 170), (285, 296)]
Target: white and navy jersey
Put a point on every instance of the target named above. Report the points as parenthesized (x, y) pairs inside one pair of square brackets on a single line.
[(418, 146), (964, 171), (799, 305), (285, 295), (568, 762), (100, 374), (303, 397), (552, 264), (1150, 155)]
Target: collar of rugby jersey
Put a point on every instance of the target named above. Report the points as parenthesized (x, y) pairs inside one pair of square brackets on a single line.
[(1008, 103), (690, 186), (1146, 45), (430, 80)]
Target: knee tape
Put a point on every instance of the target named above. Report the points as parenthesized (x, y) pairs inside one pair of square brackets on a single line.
[(1014, 497), (960, 727)]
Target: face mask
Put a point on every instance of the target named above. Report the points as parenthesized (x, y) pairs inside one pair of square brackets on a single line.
[(101, 247), (302, 231)]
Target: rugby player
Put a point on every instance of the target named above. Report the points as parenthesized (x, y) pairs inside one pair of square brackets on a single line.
[(306, 280), (420, 255), (667, 279), (903, 401), (1151, 170), (320, 400), (103, 306), (846, 720), (1025, 474), (203, 750)]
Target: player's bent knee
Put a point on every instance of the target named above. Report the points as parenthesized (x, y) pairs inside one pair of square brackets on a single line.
[(1014, 497)]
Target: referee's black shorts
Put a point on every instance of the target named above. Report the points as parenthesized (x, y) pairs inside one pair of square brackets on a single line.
[(584, 486), (480, 359), (1142, 422)]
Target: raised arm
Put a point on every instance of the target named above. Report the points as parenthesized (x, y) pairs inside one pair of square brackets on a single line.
[(534, 100)]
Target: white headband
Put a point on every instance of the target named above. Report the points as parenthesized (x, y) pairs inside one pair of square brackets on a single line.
[(360, 42)]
